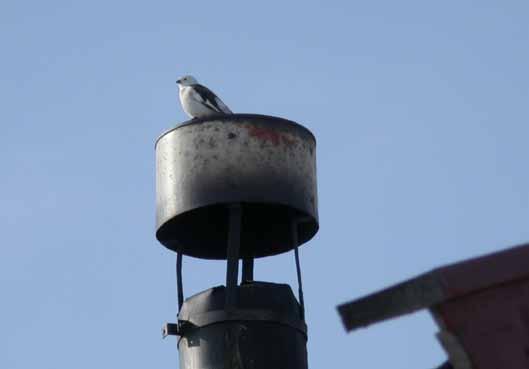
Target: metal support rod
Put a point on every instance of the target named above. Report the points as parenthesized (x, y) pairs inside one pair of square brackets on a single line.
[(234, 240), (295, 242), (247, 270), (179, 284)]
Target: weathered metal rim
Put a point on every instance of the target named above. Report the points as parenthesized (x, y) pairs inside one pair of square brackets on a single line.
[(235, 117), (244, 315)]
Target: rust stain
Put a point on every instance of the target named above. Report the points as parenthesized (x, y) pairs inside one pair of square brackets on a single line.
[(287, 140)]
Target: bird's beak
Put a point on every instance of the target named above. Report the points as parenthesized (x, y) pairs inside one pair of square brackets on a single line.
[(178, 82)]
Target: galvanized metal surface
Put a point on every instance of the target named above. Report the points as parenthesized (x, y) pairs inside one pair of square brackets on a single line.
[(266, 164), (264, 331), (243, 345)]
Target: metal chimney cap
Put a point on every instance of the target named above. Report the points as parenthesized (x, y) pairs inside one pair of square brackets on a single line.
[(264, 163)]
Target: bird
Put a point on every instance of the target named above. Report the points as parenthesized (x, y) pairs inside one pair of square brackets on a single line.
[(199, 101)]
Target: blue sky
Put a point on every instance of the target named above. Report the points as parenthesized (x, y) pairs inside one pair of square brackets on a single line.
[(421, 113)]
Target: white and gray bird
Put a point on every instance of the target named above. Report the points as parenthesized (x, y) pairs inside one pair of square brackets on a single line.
[(199, 101)]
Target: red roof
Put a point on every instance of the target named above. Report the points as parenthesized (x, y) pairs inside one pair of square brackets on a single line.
[(481, 306)]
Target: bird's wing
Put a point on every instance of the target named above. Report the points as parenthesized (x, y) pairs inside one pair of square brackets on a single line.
[(207, 97)]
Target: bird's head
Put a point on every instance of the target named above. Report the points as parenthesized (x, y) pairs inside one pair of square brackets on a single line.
[(186, 81)]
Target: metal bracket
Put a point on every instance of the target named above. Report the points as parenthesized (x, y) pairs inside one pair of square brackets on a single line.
[(176, 329), (170, 329), (179, 283)]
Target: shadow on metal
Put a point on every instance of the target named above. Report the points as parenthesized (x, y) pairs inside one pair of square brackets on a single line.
[(265, 331)]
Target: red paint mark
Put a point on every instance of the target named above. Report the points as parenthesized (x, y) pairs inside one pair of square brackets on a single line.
[(267, 134)]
